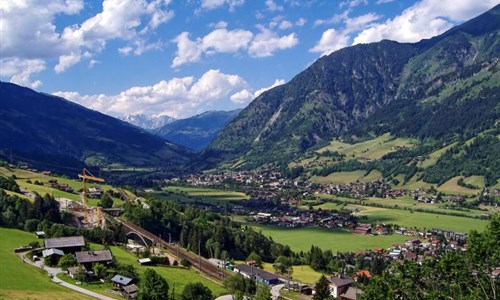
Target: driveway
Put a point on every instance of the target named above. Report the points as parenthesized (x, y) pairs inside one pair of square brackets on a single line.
[(275, 291)]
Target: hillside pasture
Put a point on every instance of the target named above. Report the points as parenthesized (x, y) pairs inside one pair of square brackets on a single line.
[(452, 187), (19, 280), (371, 149)]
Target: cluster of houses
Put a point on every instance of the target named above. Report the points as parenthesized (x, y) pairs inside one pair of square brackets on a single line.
[(86, 259), (292, 218), (60, 186), (341, 287)]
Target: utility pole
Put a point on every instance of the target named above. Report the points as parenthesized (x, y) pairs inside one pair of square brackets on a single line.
[(199, 253), (288, 271)]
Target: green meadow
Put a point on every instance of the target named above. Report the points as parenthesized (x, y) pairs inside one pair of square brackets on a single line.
[(301, 239), (19, 280), (191, 194)]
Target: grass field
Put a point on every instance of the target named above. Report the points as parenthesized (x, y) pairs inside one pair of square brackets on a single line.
[(347, 177), (301, 239), (19, 280), (302, 273), (433, 157), (451, 186), (420, 220), (190, 194), (372, 149)]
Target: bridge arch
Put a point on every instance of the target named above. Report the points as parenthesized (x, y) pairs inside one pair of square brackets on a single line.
[(146, 244)]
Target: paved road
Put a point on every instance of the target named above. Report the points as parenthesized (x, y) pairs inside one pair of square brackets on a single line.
[(80, 290), (275, 291)]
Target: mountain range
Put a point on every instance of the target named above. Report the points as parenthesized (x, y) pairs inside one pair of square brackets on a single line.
[(148, 122), (52, 132), (198, 131), (437, 89)]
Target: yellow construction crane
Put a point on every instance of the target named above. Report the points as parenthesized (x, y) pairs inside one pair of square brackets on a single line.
[(86, 175)]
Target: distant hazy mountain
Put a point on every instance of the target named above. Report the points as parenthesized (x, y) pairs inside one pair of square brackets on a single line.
[(198, 131), (148, 122), (437, 88), (41, 128)]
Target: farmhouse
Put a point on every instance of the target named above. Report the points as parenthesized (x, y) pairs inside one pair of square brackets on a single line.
[(68, 244), (259, 275), (339, 285), (89, 258)]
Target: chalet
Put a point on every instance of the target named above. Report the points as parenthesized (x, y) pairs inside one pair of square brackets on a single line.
[(119, 282), (339, 285), (89, 258), (259, 275), (40, 234), (68, 244)]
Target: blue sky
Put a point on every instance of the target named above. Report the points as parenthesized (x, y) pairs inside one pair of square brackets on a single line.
[(180, 58)]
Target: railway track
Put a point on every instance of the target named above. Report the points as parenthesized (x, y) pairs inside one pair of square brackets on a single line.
[(198, 263)]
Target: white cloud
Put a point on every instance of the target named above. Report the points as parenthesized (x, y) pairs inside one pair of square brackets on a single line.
[(246, 95), (29, 31), (285, 25), (335, 19), (384, 1), (301, 22), (222, 40), (220, 24), (225, 41), (331, 40), (267, 42), (213, 4), (360, 22), (272, 6), (424, 19), (178, 97), (352, 3), (20, 70), (67, 61)]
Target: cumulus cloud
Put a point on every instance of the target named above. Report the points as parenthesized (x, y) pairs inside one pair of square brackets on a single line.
[(222, 40), (29, 32), (177, 97), (213, 4), (424, 19), (267, 42), (331, 40), (272, 6), (301, 22), (20, 70), (246, 95)]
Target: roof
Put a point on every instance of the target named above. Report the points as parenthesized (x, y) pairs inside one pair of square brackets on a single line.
[(247, 269), (144, 260), (121, 280), (365, 273), (49, 252), (65, 242), (93, 256), (351, 293), (130, 289), (338, 281)]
